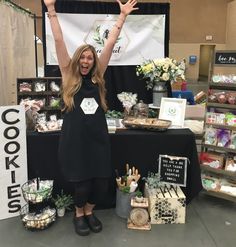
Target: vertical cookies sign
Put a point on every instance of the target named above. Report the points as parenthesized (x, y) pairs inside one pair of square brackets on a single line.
[(13, 159)]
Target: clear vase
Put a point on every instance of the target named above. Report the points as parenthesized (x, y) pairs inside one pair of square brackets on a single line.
[(159, 90)]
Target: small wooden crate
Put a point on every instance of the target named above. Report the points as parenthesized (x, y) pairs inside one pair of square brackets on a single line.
[(167, 205)]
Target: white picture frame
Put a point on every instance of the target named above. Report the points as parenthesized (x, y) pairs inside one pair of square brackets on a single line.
[(174, 110)]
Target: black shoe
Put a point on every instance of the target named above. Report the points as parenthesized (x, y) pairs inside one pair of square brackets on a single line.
[(81, 226), (94, 223)]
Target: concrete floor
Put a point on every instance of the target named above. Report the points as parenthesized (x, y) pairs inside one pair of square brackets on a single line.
[(210, 222)]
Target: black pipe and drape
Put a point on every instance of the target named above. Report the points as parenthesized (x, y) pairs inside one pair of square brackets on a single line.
[(118, 78)]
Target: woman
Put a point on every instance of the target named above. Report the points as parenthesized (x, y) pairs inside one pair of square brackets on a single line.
[(84, 150)]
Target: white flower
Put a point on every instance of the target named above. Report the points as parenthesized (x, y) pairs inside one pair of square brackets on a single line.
[(165, 77), (127, 99), (165, 69)]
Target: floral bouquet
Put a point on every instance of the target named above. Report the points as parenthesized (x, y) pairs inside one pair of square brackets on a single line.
[(162, 69), (128, 100)]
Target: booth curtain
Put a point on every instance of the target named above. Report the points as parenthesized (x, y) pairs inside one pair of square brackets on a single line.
[(17, 50), (118, 78)]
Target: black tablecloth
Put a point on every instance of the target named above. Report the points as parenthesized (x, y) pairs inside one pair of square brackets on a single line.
[(135, 147)]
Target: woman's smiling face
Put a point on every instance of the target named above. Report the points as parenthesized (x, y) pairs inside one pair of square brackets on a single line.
[(86, 62)]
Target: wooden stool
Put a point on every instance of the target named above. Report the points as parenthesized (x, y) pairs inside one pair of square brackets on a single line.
[(139, 216)]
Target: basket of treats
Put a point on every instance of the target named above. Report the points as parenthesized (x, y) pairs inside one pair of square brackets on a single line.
[(153, 124), (36, 190), (37, 220)]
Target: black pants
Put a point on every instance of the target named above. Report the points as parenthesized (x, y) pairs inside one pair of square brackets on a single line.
[(91, 191)]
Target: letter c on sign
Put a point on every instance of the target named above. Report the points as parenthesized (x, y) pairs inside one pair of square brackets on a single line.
[(4, 116)]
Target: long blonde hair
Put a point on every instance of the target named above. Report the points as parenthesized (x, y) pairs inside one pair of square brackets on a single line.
[(73, 79)]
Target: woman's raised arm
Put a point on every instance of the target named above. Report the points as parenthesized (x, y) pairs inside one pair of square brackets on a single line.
[(125, 10), (61, 50)]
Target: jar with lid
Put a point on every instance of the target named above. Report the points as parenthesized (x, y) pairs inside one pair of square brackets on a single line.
[(141, 110)]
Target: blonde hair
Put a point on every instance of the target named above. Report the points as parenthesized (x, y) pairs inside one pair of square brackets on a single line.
[(73, 79)]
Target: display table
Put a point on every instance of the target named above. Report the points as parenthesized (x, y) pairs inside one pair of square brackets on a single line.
[(135, 147)]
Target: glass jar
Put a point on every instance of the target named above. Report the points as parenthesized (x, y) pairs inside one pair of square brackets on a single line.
[(141, 110)]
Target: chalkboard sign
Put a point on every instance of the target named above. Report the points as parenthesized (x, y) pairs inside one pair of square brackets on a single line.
[(173, 169), (225, 58)]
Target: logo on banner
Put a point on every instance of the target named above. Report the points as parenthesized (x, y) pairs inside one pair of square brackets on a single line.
[(99, 34), (100, 38)]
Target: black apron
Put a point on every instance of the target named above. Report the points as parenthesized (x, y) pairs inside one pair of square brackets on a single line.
[(84, 147)]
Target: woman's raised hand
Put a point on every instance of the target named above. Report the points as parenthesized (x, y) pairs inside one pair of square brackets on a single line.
[(49, 2), (128, 7)]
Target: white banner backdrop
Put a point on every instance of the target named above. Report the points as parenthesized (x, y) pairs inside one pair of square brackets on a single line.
[(13, 160), (142, 36)]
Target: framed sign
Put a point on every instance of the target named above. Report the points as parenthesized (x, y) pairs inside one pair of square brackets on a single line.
[(225, 58), (173, 169), (192, 59), (174, 110)]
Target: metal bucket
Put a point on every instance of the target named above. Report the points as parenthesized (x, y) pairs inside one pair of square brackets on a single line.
[(123, 201), (159, 90)]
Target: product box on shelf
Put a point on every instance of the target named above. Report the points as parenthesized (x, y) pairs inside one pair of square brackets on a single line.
[(167, 205), (212, 159), (210, 183), (230, 164)]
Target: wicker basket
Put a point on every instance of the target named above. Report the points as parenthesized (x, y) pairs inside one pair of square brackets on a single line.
[(37, 191), (153, 124), (37, 221)]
